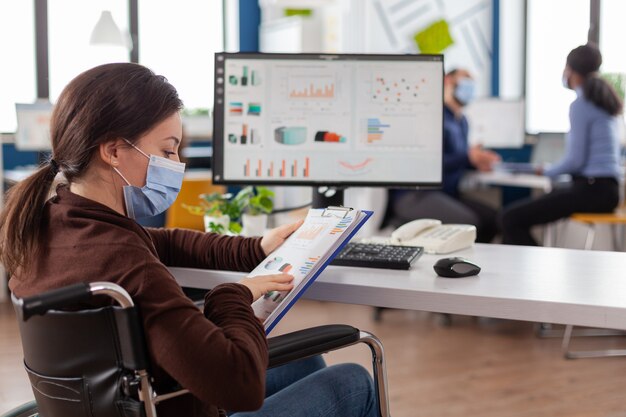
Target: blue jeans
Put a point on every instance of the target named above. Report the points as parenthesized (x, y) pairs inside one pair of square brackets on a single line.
[(308, 388)]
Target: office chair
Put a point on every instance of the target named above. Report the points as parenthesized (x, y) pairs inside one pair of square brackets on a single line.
[(615, 220), (94, 362), (592, 221)]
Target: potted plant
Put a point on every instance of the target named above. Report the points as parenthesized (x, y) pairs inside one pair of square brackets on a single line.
[(256, 204), (220, 213)]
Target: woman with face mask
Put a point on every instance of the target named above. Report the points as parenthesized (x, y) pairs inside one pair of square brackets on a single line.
[(116, 131), (592, 155)]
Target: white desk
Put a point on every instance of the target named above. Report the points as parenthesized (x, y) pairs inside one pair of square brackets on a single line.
[(547, 285), (502, 178), (17, 175)]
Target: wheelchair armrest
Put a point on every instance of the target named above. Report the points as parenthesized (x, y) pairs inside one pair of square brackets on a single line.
[(310, 342)]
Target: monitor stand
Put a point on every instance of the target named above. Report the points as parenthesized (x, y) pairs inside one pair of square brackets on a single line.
[(327, 196)]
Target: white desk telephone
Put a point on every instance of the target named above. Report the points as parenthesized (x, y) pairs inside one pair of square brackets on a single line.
[(433, 236)]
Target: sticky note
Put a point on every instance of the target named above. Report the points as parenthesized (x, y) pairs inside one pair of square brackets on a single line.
[(435, 38)]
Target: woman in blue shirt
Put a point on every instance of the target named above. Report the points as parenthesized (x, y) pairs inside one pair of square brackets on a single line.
[(591, 158)]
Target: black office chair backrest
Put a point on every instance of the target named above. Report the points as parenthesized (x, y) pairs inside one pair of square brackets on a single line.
[(80, 363)]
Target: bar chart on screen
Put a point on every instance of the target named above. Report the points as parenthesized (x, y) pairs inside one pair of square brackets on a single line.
[(375, 129), (321, 87), (281, 168)]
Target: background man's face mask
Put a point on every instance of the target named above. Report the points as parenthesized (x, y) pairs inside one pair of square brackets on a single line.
[(465, 91), (163, 181)]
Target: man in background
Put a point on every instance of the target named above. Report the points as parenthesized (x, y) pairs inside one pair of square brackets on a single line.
[(447, 204)]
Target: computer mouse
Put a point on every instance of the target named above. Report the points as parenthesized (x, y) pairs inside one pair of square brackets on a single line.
[(455, 268)]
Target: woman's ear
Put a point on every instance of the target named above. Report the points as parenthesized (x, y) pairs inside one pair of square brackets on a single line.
[(109, 152)]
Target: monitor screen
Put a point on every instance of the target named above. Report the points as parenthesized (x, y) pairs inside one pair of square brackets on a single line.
[(496, 123), (344, 120), (33, 126)]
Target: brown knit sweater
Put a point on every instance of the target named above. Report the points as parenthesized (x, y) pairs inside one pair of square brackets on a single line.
[(221, 356)]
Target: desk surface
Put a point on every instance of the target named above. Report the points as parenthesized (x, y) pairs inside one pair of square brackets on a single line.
[(17, 175), (550, 285), (509, 179)]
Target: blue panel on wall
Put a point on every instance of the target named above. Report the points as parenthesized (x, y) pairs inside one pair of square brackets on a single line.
[(495, 58), (523, 154), (12, 158), (249, 20)]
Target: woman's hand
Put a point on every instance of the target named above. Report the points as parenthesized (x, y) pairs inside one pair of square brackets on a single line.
[(275, 237), (263, 284), (482, 159)]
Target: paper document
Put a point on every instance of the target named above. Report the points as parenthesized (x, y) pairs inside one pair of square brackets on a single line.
[(304, 255)]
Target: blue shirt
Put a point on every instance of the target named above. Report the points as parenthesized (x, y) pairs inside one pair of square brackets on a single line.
[(455, 148), (592, 144)]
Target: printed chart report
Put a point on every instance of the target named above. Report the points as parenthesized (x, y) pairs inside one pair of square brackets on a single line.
[(303, 255), (374, 119)]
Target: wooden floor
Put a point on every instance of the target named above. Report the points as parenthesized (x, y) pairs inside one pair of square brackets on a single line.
[(475, 367)]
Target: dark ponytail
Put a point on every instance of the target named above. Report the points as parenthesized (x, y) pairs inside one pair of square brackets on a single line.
[(102, 104), (603, 95), (21, 218), (586, 60)]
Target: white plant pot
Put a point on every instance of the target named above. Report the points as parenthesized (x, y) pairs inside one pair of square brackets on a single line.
[(223, 220), (253, 225)]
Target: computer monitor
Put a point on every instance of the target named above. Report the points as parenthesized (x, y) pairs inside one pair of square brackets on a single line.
[(33, 126), (549, 148), (496, 123), (328, 119)]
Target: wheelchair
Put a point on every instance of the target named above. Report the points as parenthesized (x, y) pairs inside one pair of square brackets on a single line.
[(94, 362)]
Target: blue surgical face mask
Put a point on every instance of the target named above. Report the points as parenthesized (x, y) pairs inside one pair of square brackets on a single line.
[(465, 91), (565, 81), (163, 181)]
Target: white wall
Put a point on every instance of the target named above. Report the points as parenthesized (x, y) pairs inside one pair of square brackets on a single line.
[(512, 40)]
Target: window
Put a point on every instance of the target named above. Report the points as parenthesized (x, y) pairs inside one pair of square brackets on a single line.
[(179, 43), (612, 35), (554, 28), (17, 70), (70, 23)]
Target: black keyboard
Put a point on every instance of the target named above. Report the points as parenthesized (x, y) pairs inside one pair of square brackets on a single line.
[(371, 255)]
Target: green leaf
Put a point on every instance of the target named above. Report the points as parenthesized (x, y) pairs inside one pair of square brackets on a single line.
[(264, 192), (216, 228), (254, 200), (266, 204), (261, 202), (195, 210), (235, 227)]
